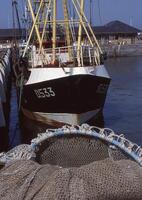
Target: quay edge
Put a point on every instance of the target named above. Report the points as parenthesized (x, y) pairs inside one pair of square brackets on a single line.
[(5, 83), (123, 50)]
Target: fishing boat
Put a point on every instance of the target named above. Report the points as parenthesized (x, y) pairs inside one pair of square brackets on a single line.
[(62, 78)]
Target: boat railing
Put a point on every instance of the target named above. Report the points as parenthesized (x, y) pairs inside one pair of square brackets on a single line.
[(79, 56)]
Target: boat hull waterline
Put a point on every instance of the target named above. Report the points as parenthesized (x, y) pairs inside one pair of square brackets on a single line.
[(57, 96)]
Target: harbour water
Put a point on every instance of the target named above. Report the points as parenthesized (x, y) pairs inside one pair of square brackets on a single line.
[(123, 107)]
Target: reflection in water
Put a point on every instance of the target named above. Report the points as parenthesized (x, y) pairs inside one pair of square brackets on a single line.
[(30, 128), (14, 130)]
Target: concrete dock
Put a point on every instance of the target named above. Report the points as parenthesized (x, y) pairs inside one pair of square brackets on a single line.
[(123, 50), (4, 96)]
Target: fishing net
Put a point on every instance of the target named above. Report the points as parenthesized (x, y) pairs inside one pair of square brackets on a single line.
[(73, 163)]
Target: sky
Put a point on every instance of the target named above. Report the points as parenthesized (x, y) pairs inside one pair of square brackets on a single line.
[(104, 11)]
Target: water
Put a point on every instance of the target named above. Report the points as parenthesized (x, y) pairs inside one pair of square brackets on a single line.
[(14, 126), (123, 107)]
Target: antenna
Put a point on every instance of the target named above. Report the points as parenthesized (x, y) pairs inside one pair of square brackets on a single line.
[(8, 21), (131, 21)]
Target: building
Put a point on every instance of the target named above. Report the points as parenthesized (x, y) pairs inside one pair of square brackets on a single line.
[(7, 35), (116, 32), (113, 32)]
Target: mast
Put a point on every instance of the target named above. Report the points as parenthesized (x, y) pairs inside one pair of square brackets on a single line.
[(16, 21), (54, 31), (35, 18), (89, 27), (91, 12), (67, 29), (43, 25), (80, 33), (46, 17)]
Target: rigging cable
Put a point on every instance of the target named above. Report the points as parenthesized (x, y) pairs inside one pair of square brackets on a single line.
[(91, 12), (99, 9)]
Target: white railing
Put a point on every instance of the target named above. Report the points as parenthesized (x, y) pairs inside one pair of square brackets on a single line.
[(82, 56)]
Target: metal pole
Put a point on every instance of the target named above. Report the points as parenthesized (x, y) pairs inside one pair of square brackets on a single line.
[(34, 20), (32, 29), (80, 32), (93, 35), (67, 29), (54, 31), (85, 29), (91, 12)]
